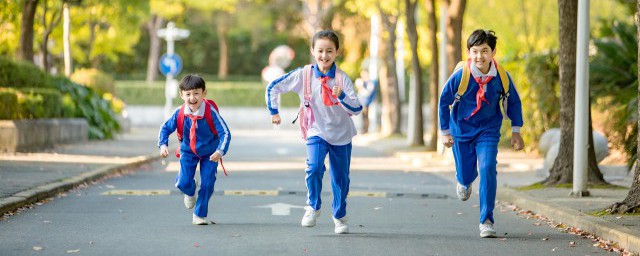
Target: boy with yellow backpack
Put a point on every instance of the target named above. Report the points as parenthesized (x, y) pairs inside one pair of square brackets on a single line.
[(471, 117)]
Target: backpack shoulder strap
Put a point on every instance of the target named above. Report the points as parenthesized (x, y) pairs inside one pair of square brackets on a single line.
[(464, 82), (180, 123), (338, 77), (306, 82), (503, 77), (209, 116)]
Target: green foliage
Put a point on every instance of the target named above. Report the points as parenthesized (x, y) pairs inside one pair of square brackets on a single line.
[(39, 103), (537, 82), (99, 81), (9, 104), (224, 93), (614, 84), (18, 74)]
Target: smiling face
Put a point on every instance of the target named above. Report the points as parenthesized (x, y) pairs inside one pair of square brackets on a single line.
[(481, 56), (193, 98), (324, 51)]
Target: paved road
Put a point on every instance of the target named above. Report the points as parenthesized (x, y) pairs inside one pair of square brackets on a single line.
[(393, 211)]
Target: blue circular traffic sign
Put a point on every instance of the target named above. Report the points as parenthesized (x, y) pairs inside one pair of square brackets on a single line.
[(170, 64)]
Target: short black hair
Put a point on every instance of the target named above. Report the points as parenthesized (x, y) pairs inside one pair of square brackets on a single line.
[(328, 34), (481, 36), (192, 82)]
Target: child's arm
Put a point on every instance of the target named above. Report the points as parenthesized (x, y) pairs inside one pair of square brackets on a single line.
[(223, 134), (347, 96), (446, 100), (291, 81), (167, 129), (514, 112)]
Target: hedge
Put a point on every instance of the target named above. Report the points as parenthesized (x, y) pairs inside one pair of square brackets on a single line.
[(24, 103), (246, 94)]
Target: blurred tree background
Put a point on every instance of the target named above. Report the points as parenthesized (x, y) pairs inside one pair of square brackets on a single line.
[(230, 42)]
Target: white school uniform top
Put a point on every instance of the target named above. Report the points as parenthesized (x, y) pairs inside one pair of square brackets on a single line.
[(332, 123)]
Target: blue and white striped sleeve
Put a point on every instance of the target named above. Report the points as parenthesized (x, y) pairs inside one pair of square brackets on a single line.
[(348, 99), (223, 132), (291, 81), (167, 129)]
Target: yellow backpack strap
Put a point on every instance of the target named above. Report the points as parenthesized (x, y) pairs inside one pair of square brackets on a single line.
[(464, 82)]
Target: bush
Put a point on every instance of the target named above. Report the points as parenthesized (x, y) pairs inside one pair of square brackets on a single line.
[(246, 94), (21, 74), (9, 104), (99, 81), (39, 103)]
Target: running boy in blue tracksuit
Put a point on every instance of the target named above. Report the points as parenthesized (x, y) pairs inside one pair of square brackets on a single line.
[(332, 101), (472, 124), (199, 144)]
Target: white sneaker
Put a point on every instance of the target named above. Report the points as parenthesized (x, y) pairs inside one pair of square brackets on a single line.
[(198, 220), (487, 230), (310, 216), (341, 225), (463, 193), (190, 201)]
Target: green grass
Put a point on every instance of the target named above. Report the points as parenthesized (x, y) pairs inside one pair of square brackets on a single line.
[(539, 185)]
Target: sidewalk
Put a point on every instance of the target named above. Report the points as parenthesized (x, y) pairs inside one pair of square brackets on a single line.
[(516, 169), (27, 178)]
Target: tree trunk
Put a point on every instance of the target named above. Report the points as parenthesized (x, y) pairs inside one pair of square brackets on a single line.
[(631, 204), (223, 63), (389, 89), (595, 176), (562, 169), (415, 96), (153, 25), (55, 20), (454, 32), (26, 30), (430, 5)]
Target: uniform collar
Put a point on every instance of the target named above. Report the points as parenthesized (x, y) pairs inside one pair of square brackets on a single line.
[(331, 73), (475, 71), (199, 112)]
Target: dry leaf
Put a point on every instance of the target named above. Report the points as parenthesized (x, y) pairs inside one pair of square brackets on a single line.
[(196, 244), (572, 244), (545, 239), (37, 248), (73, 251), (537, 223)]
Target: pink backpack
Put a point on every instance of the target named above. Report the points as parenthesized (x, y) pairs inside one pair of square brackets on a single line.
[(305, 113)]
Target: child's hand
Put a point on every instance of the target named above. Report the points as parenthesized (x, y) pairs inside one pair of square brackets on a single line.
[(215, 157), (337, 91), (516, 141), (275, 119), (164, 152), (447, 140)]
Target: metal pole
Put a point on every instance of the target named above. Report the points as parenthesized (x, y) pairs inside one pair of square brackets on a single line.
[(66, 44), (373, 69), (442, 67), (581, 132)]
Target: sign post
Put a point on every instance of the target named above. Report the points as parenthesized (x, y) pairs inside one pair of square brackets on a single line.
[(170, 64)]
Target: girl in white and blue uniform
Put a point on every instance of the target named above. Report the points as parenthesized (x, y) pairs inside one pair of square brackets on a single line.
[(331, 132)]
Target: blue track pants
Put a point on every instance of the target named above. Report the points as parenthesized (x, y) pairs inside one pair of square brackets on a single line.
[(186, 183), (339, 162)]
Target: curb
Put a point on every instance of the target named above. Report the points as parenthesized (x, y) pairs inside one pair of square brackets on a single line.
[(39, 193), (625, 237)]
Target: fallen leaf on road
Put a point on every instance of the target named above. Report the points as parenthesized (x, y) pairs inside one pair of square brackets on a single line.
[(545, 239), (460, 213), (475, 206), (619, 217), (572, 244), (503, 239), (47, 221), (73, 251), (37, 248), (110, 186), (196, 244), (235, 235), (377, 208), (529, 233)]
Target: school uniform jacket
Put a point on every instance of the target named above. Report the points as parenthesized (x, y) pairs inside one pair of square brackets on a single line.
[(488, 120), (332, 123), (206, 142)]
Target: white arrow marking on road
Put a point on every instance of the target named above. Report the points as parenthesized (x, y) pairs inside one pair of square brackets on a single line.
[(280, 208)]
